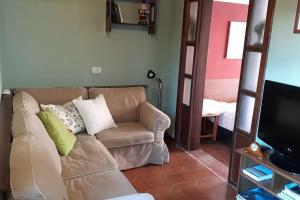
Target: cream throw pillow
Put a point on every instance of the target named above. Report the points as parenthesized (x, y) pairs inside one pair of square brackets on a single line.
[(69, 114), (95, 114)]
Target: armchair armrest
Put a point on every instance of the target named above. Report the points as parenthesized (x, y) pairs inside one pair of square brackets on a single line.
[(154, 119)]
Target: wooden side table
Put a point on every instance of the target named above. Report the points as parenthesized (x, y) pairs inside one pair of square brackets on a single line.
[(213, 133)]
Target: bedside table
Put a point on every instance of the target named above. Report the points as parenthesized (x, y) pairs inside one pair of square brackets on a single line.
[(213, 133)]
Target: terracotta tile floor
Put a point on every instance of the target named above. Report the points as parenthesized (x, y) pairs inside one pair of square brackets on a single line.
[(215, 156), (218, 151), (184, 178)]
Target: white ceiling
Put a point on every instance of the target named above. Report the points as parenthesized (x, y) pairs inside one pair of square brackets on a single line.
[(235, 1)]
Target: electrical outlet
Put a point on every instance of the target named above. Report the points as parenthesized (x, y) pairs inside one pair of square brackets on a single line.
[(96, 70)]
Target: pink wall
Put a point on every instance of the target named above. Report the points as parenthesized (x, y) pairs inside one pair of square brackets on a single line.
[(218, 66)]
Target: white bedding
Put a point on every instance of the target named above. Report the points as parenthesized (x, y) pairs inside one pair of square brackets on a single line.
[(226, 119), (225, 110)]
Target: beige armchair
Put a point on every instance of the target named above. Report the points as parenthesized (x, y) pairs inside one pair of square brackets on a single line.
[(139, 137)]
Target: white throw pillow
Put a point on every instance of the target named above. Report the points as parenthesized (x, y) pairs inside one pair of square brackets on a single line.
[(95, 114), (69, 114)]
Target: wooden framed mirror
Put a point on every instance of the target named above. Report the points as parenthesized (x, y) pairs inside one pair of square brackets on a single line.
[(297, 20)]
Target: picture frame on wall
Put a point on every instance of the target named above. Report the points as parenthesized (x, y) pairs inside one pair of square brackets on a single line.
[(237, 32), (297, 19)]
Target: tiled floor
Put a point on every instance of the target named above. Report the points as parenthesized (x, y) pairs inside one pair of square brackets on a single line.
[(184, 178), (218, 150), (211, 162), (215, 156)]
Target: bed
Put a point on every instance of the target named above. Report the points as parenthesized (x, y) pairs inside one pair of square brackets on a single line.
[(225, 111), (220, 97)]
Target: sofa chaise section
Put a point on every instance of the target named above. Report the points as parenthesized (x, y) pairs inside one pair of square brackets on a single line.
[(89, 156), (102, 185), (38, 172)]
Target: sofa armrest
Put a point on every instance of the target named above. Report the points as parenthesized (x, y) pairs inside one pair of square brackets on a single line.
[(154, 119), (142, 196)]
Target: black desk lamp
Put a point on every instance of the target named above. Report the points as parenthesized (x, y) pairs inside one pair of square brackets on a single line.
[(151, 75)]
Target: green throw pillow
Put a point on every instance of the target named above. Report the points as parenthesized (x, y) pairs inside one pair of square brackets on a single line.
[(61, 136)]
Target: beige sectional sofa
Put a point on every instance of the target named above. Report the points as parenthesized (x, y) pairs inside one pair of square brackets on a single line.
[(92, 169)]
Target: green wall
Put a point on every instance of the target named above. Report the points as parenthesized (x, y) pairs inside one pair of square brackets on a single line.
[(170, 61), (284, 53), (1, 48), (0, 77), (55, 42), (50, 43)]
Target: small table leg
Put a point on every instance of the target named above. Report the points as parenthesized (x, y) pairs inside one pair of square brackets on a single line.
[(215, 129)]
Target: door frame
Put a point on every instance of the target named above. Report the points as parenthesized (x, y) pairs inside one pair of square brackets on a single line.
[(199, 73), (240, 139)]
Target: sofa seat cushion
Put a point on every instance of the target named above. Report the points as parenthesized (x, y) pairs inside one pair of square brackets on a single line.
[(126, 134), (102, 185), (87, 157)]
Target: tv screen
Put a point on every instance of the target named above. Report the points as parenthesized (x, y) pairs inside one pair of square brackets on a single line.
[(279, 124)]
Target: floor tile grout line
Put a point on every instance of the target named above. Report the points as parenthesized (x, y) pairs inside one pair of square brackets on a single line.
[(191, 155)]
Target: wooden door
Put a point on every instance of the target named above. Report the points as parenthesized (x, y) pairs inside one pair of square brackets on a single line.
[(194, 48), (259, 25)]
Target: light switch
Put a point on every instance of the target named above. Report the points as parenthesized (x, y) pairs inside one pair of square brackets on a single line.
[(96, 70)]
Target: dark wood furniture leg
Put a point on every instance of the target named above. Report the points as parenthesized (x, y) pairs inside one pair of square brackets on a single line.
[(3, 195), (215, 129), (212, 133)]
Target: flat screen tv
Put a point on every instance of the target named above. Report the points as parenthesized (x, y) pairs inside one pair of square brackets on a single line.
[(279, 124)]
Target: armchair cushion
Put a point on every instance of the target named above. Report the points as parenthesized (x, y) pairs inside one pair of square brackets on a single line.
[(126, 134)]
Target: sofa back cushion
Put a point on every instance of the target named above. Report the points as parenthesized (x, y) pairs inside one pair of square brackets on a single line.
[(57, 96), (123, 103), (24, 101), (32, 173), (26, 123)]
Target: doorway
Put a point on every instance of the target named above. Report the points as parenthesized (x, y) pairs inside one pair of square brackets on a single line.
[(223, 69), (196, 87)]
